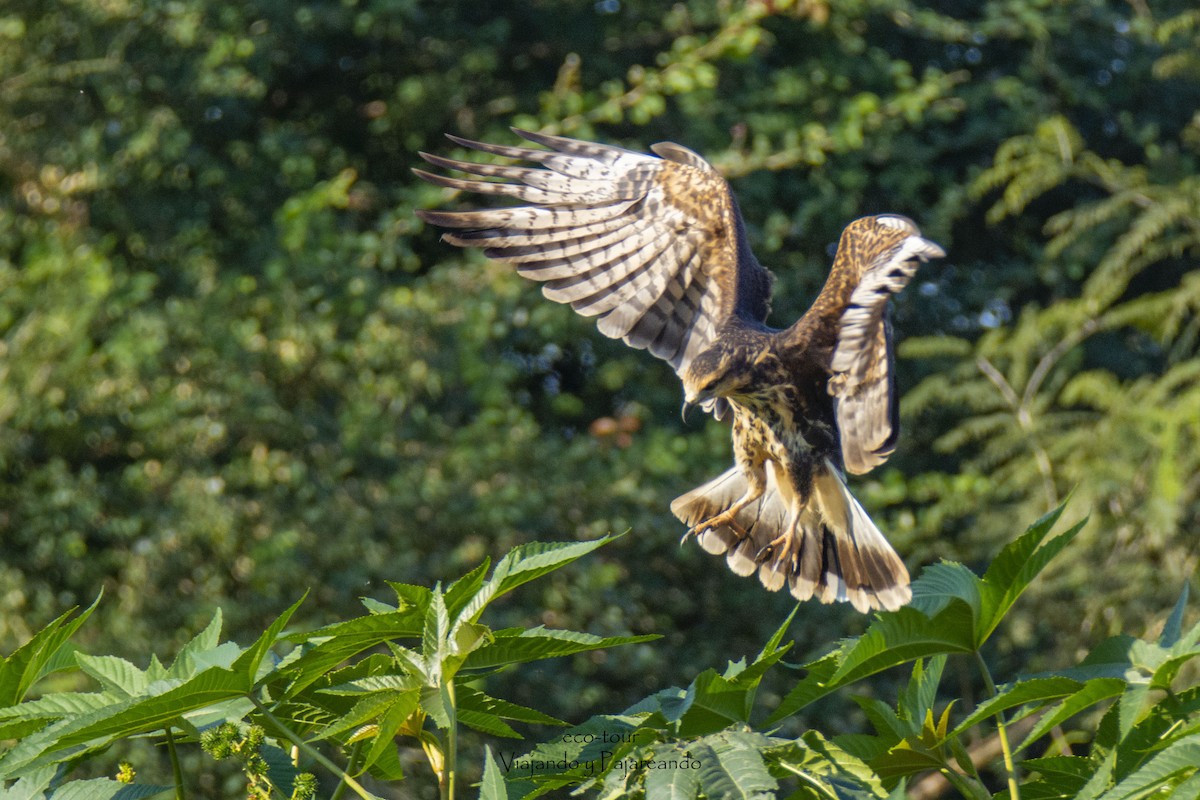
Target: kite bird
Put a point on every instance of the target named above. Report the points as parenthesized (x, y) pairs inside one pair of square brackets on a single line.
[(654, 248)]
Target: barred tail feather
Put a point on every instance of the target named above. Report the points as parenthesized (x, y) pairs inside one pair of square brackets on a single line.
[(841, 555)]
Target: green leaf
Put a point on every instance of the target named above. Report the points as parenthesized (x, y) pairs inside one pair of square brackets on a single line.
[(1035, 690), (1016, 566), (61, 704), (33, 660), (434, 634), (185, 664), (940, 584), (817, 682), (465, 588), (535, 559), (903, 636), (364, 711), (1154, 774), (389, 725), (1092, 692), (492, 786), (1173, 628), (106, 789), (517, 646), (251, 659), (125, 718), (114, 674), (472, 699), (673, 782), (336, 643), (731, 765)]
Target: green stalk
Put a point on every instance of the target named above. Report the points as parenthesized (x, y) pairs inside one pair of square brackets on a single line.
[(313, 753), (176, 769), (1010, 768), (451, 766), (351, 764)]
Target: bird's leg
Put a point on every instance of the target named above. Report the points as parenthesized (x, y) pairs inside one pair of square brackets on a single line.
[(783, 549), (757, 479)]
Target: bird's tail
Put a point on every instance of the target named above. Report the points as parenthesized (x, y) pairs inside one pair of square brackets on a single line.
[(841, 555)]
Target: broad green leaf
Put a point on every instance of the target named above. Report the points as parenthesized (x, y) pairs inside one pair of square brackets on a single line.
[(1035, 690), (529, 561), (389, 725), (122, 719), (114, 674), (30, 787), (903, 636), (1154, 774), (365, 710), (492, 787), (34, 659), (251, 659), (189, 660), (884, 718), (1173, 628), (921, 693), (61, 704), (156, 712), (1094, 691), (940, 584), (515, 646), (472, 699), (1010, 574), (434, 634), (676, 775), (410, 597), (374, 683), (711, 703), (486, 723), (817, 682), (459, 593), (336, 643), (829, 760), (106, 789), (731, 765)]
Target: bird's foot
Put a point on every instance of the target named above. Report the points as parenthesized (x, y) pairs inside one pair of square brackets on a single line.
[(724, 519), (778, 549)]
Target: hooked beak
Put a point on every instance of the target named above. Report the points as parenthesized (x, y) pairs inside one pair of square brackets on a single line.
[(687, 406)]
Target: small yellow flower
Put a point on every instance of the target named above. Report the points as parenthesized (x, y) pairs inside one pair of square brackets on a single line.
[(125, 772)]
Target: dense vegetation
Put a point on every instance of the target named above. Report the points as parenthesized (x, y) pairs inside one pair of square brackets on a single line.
[(234, 366)]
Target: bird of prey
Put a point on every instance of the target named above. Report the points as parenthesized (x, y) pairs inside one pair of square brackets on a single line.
[(654, 248)]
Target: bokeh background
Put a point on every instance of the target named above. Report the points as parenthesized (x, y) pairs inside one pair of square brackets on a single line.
[(234, 365)]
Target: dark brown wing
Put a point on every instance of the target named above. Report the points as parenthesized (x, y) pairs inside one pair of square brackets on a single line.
[(652, 247), (863, 365)]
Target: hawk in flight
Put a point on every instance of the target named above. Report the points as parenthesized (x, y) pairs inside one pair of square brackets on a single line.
[(653, 247)]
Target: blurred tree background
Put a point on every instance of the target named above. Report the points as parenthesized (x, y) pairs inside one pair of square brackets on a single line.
[(234, 365)]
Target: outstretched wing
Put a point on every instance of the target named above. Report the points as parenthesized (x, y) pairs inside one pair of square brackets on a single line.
[(652, 247), (863, 366)]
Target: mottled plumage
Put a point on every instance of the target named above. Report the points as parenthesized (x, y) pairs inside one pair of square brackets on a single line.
[(654, 248)]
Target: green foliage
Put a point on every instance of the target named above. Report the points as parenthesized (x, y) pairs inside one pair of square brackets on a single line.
[(350, 697), (703, 742), (233, 364), (337, 687)]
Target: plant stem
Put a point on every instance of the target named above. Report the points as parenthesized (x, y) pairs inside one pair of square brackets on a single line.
[(451, 741), (312, 752), (176, 769), (1010, 768), (351, 765)]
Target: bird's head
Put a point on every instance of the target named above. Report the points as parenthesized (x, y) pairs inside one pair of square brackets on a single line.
[(711, 375)]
